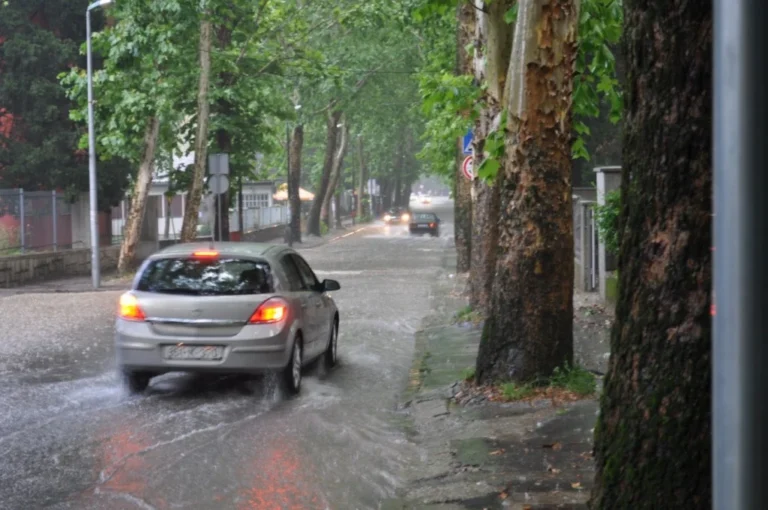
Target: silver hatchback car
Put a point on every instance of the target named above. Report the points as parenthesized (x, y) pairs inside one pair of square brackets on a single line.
[(238, 308)]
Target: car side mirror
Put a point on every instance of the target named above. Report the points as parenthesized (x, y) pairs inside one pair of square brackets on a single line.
[(331, 285)]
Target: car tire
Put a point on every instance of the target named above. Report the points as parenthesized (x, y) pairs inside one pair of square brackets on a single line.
[(332, 351), (136, 382), (291, 376)]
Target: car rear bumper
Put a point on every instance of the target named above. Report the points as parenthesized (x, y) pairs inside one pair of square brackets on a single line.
[(138, 350), (415, 230)]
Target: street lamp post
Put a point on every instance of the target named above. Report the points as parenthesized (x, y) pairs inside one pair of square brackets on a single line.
[(92, 183)]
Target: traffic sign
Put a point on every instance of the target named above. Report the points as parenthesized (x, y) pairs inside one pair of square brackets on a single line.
[(467, 168), (218, 184), (467, 145), (218, 164)]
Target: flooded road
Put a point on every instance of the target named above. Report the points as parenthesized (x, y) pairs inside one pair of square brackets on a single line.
[(71, 438)]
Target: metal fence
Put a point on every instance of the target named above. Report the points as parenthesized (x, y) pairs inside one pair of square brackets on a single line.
[(34, 221), (586, 244), (263, 217)]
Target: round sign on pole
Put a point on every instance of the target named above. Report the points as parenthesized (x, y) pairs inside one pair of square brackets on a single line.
[(218, 184), (467, 168)]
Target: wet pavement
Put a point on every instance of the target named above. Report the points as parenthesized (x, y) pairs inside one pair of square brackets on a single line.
[(71, 438)]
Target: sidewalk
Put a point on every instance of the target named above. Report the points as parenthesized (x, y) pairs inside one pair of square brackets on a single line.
[(112, 282), (489, 455)]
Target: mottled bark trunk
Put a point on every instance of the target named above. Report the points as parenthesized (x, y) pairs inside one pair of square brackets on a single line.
[(337, 203), (653, 434), (294, 181), (189, 226), (529, 331), (139, 199), (167, 225), (493, 43), (313, 222), (462, 203), (361, 185), (338, 162)]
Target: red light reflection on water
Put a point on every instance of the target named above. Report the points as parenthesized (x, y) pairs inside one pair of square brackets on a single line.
[(282, 480)]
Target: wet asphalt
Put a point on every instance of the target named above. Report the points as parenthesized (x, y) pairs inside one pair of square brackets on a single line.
[(71, 438)]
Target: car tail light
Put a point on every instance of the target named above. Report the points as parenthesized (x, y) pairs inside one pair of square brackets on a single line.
[(269, 312), (130, 309), (431, 225), (208, 254)]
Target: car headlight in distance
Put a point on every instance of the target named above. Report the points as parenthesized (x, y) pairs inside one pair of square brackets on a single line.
[(405, 217), (387, 217)]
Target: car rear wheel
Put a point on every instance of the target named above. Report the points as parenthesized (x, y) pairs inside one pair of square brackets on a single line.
[(291, 376), (331, 353), (136, 382)]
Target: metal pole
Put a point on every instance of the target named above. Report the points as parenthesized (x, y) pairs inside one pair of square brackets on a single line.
[(55, 222), (93, 206), (739, 379), (23, 232)]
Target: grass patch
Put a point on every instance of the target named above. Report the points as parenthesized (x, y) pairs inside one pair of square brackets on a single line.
[(466, 314), (468, 374), (574, 379), (513, 391)]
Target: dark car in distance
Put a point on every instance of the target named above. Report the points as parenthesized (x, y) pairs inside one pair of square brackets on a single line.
[(397, 215), (425, 223)]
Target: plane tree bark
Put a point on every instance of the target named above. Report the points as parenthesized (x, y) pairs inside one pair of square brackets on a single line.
[(338, 162), (529, 331), (493, 43), (189, 226), (462, 187), (652, 440), (294, 181), (313, 221), (141, 188)]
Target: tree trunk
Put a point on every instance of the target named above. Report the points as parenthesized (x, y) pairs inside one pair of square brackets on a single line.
[(313, 222), (167, 226), (338, 161), (139, 200), (494, 36), (653, 433), (529, 331), (189, 227), (294, 181), (337, 202), (240, 219), (362, 182), (462, 187)]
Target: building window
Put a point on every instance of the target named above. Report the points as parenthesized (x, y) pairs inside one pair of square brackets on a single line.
[(256, 200)]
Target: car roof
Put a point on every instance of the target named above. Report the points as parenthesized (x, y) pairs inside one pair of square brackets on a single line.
[(239, 249)]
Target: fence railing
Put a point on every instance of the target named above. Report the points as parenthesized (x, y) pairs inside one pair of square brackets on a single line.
[(586, 244), (255, 219), (34, 221)]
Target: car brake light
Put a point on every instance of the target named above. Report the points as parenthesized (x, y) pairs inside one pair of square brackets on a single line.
[(431, 225), (270, 311), (205, 254), (130, 309)]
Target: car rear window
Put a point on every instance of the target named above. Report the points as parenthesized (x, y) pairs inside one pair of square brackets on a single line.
[(216, 277)]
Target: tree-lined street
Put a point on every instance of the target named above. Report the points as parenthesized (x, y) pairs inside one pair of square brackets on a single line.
[(71, 438)]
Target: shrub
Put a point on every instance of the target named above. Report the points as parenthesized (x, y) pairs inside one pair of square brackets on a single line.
[(607, 219)]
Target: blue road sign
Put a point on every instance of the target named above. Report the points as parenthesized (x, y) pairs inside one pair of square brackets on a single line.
[(468, 142)]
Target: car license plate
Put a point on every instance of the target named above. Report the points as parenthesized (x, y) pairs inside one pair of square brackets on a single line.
[(422, 225), (193, 352)]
